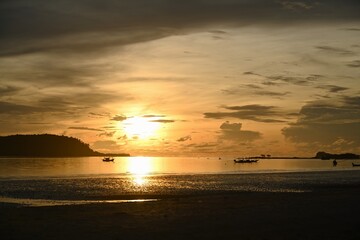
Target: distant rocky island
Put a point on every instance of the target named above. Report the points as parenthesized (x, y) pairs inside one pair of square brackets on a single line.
[(327, 156), (46, 145)]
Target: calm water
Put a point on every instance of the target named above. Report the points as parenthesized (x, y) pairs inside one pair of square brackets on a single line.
[(94, 166), (54, 181)]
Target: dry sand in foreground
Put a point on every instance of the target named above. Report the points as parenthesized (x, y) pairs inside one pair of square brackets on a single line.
[(331, 213)]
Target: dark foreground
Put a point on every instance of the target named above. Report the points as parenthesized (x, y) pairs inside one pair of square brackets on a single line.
[(327, 213)]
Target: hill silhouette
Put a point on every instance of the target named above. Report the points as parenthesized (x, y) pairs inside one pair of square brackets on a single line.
[(46, 145), (326, 156)]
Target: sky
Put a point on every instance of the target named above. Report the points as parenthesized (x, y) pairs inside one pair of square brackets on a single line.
[(184, 78)]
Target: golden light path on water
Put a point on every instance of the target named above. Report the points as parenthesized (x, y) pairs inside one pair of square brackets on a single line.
[(140, 167)]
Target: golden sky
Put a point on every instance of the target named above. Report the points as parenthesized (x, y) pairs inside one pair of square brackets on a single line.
[(160, 77)]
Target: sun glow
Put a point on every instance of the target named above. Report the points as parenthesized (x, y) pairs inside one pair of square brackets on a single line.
[(140, 167), (140, 127)]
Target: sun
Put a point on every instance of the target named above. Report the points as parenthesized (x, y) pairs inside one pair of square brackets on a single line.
[(140, 127)]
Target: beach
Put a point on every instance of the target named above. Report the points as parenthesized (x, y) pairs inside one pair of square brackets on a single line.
[(318, 210)]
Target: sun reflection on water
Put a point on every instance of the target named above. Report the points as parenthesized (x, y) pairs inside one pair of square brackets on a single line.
[(139, 180), (140, 168)]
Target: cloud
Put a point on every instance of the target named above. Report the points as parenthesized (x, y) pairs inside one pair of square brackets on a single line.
[(153, 116), (323, 123), (253, 86), (86, 128), (119, 118), (296, 80), (252, 73), (218, 32), (255, 89), (354, 64), (274, 80), (352, 101), (297, 5), (271, 93), (254, 112), (98, 115), (12, 108), (163, 121), (351, 29), (333, 88), (226, 126), (85, 98), (252, 107), (92, 25), (68, 103), (183, 139), (106, 146), (335, 50), (271, 83), (123, 138), (7, 90), (233, 132), (107, 134), (241, 89), (202, 145)]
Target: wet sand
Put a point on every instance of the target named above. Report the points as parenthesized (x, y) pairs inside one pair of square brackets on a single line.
[(326, 212)]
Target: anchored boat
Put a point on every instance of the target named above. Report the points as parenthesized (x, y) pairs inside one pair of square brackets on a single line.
[(108, 159), (245, 160)]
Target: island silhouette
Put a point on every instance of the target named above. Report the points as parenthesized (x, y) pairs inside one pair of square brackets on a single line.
[(328, 156), (47, 145)]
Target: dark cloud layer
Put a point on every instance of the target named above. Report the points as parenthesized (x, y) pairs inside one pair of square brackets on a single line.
[(86, 129), (255, 112), (233, 132), (335, 50), (275, 80), (354, 64), (7, 90), (163, 121), (255, 89), (70, 104), (12, 108), (35, 26), (119, 118), (183, 139), (153, 116), (326, 123), (333, 88)]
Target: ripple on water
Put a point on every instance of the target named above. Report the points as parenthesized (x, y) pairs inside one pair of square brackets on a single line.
[(125, 187)]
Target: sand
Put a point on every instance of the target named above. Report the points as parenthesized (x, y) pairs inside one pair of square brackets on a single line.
[(330, 212)]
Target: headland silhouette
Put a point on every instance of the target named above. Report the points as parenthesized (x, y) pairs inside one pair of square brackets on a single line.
[(47, 145)]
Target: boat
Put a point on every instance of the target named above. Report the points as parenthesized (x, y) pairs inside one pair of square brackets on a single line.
[(356, 164), (245, 160), (108, 159)]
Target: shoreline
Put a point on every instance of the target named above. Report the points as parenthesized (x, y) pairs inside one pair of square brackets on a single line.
[(326, 208), (326, 213)]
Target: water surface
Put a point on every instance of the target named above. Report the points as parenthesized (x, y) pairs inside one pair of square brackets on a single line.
[(57, 181), (56, 167)]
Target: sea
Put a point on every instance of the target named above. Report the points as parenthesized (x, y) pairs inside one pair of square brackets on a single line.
[(40, 182)]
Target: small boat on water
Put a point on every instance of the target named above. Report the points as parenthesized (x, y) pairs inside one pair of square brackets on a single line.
[(245, 160), (108, 159), (356, 164)]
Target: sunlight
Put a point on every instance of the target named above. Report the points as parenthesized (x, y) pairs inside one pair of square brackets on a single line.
[(139, 127), (139, 167), (139, 180)]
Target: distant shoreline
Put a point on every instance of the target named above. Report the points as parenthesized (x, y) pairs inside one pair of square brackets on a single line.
[(305, 158)]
